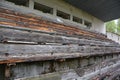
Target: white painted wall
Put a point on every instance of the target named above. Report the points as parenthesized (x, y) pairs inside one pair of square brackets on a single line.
[(114, 37), (98, 25)]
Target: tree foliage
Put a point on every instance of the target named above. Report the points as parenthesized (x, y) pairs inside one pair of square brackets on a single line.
[(111, 26)]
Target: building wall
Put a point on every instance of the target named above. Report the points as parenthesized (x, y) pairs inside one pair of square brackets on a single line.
[(63, 6), (114, 37), (99, 26)]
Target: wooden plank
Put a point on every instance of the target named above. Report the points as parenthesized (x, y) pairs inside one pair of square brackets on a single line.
[(41, 49), (19, 35), (111, 74), (18, 58), (53, 33), (14, 24), (115, 75), (49, 26)]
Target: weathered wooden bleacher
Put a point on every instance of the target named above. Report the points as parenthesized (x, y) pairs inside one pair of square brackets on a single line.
[(28, 40)]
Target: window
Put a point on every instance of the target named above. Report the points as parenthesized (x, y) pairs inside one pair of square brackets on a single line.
[(88, 24), (20, 2), (63, 15), (43, 8), (76, 19)]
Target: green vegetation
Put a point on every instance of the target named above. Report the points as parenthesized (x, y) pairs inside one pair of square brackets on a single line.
[(113, 27)]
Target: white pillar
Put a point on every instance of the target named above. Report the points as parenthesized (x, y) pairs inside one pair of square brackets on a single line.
[(31, 4), (54, 11)]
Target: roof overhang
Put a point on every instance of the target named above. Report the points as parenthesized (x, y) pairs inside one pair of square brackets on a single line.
[(105, 10)]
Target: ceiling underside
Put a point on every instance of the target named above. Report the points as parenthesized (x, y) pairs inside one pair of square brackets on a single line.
[(105, 10)]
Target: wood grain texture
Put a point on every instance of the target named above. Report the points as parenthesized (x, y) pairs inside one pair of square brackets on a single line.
[(15, 18), (29, 36)]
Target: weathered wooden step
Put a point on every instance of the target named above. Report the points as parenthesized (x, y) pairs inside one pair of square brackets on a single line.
[(29, 36), (17, 49)]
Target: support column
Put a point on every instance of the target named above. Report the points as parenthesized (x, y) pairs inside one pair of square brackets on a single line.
[(31, 4), (54, 11), (71, 17), (7, 72)]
